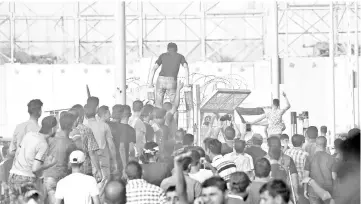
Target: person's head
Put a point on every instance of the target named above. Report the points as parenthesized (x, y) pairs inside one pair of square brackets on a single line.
[(350, 148), (275, 103), (76, 159), (89, 111), (323, 130), (93, 102), (151, 151), (238, 182), (179, 135), (321, 143), (133, 170), (159, 115), (312, 132), (171, 195), (239, 145), (117, 112), (196, 158), (48, 126), (188, 139), (67, 121), (353, 132), (229, 133), (201, 151), (115, 192), (35, 108), (78, 111), (214, 148), (285, 139), (274, 141), (126, 112), (167, 106), (298, 140), (337, 144), (214, 191), (262, 168), (172, 47), (257, 139), (206, 143), (146, 113), (104, 113), (137, 106), (275, 192)]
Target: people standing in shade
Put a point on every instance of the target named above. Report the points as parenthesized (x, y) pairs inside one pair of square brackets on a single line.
[(104, 138), (77, 187), (123, 134), (155, 171), (84, 140), (262, 176), (139, 191), (30, 159), (60, 148), (167, 79), (274, 117), (31, 125)]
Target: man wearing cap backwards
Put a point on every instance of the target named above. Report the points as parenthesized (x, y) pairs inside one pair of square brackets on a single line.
[(167, 79), (30, 160), (77, 187)]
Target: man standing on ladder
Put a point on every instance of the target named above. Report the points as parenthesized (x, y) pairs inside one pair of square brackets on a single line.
[(167, 79)]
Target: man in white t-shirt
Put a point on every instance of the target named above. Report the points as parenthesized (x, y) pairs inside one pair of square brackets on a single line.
[(77, 187), (196, 172), (243, 161)]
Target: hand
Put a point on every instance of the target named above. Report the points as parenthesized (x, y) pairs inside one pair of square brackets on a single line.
[(284, 94), (178, 159), (306, 195), (306, 180), (180, 85), (98, 176)]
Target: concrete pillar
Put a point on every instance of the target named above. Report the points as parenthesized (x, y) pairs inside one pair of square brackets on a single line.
[(3, 110), (332, 59), (274, 55), (120, 51)]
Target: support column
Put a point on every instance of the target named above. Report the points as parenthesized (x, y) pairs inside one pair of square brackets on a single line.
[(77, 32), (3, 109), (12, 32), (332, 59), (357, 67), (350, 68), (203, 31), (197, 112), (275, 60), (120, 51), (140, 29)]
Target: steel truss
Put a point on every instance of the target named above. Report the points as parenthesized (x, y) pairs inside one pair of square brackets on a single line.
[(80, 31)]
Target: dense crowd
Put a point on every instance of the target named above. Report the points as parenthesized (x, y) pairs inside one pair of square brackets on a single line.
[(138, 155)]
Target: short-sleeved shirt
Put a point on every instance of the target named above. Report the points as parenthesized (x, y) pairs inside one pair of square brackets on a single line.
[(310, 147), (244, 162), (256, 153), (60, 147), (170, 64), (279, 169), (20, 132), (194, 188), (101, 132), (140, 131), (32, 147), (224, 166), (300, 157), (275, 124), (321, 166), (77, 188), (85, 142), (253, 195), (122, 133), (155, 173)]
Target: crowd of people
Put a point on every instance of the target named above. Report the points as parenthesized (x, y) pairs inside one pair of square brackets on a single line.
[(138, 155)]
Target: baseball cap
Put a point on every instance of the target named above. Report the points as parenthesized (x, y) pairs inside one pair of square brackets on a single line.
[(77, 157)]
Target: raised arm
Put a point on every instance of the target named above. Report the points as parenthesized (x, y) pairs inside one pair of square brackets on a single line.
[(288, 105), (258, 120)]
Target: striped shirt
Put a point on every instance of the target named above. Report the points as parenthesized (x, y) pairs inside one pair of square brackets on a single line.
[(224, 166)]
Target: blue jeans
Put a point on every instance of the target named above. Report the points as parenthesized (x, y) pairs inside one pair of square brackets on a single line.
[(165, 84)]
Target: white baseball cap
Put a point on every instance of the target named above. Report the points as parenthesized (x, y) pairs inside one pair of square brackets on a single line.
[(77, 157)]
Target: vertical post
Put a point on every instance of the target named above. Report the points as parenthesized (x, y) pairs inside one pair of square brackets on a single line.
[(332, 59), (275, 59), (350, 68), (77, 32), (203, 31), (140, 29), (120, 51), (12, 32), (3, 102), (357, 66), (197, 112), (286, 48)]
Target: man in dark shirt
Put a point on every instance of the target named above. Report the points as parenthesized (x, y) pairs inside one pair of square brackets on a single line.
[(167, 79), (255, 149), (123, 133), (262, 172)]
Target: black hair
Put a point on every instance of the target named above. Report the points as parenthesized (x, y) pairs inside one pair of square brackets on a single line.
[(89, 111), (277, 188), (262, 168), (137, 106), (323, 129), (285, 137), (239, 145), (47, 124), (134, 170), (230, 133), (172, 46), (312, 132), (93, 101), (215, 147), (217, 182), (188, 139), (276, 102), (297, 140), (239, 181), (337, 143), (34, 107), (67, 121), (79, 110), (103, 110)]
